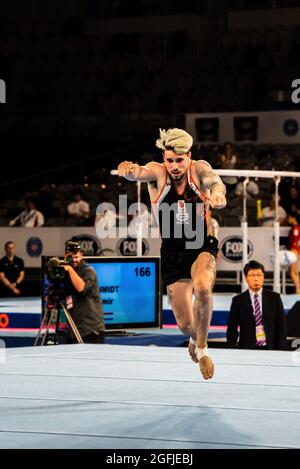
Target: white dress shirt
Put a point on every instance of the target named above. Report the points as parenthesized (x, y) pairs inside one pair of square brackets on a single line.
[(268, 215), (29, 219), (80, 208)]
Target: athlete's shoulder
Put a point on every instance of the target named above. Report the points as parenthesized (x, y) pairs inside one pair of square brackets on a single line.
[(159, 170), (155, 166), (201, 165)]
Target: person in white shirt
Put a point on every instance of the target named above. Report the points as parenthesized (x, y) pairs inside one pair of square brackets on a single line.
[(105, 220), (141, 222), (252, 189), (228, 159), (268, 214), (30, 217), (78, 209)]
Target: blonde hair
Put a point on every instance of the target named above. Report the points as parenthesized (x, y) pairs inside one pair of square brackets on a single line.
[(175, 139)]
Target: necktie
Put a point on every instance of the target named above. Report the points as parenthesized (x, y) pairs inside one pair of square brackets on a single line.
[(257, 311), (260, 335)]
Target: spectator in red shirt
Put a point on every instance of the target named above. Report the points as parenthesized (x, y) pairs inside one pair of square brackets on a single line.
[(294, 245)]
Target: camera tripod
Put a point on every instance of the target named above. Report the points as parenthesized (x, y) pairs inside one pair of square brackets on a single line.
[(51, 318)]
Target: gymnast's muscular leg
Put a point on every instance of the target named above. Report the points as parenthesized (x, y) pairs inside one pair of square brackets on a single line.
[(180, 297), (203, 276)]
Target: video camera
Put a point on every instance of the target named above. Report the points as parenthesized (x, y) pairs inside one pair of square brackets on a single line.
[(54, 268)]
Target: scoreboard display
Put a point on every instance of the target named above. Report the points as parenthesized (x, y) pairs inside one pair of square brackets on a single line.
[(130, 290)]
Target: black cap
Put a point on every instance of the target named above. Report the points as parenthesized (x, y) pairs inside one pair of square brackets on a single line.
[(72, 247)]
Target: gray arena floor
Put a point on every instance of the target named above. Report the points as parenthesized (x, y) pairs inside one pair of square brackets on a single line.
[(112, 396)]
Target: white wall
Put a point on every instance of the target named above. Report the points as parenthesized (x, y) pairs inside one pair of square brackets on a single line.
[(53, 239), (270, 125)]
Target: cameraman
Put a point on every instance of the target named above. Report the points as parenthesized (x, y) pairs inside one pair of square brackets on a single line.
[(84, 301)]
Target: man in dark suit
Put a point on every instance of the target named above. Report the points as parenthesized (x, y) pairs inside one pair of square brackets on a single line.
[(258, 313)]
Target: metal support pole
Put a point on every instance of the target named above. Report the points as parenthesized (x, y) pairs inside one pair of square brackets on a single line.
[(284, 282), (276, 280), (244, 226), (139, 234)]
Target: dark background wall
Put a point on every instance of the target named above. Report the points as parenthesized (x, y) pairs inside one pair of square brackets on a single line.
[(88, 77)]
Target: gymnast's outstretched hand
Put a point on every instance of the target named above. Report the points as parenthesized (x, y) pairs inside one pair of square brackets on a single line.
[(217, 199)]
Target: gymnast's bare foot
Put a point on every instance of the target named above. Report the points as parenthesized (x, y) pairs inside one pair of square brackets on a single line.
[(191, 348), (206, 367)]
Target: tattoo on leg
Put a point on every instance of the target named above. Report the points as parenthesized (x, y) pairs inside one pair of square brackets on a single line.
[(211, 265), (170, 294)]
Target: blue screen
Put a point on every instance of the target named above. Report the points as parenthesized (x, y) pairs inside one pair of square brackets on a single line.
[(128, 291)]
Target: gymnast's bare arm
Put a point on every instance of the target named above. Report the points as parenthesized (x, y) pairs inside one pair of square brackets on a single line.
[(209, 179), (134, 172)]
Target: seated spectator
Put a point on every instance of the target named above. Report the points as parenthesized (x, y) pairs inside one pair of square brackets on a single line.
[(258, 313), (30, 217), (294, 245), (141, 223), (228, 159), (79, 209), (106, 219), (292, 200), (252, 189), (268, 214), (11, 272)]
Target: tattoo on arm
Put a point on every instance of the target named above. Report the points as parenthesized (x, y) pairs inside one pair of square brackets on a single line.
[(211, 180), (208, 176)]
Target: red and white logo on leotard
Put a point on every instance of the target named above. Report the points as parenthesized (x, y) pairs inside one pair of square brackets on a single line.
[(181, 216)]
